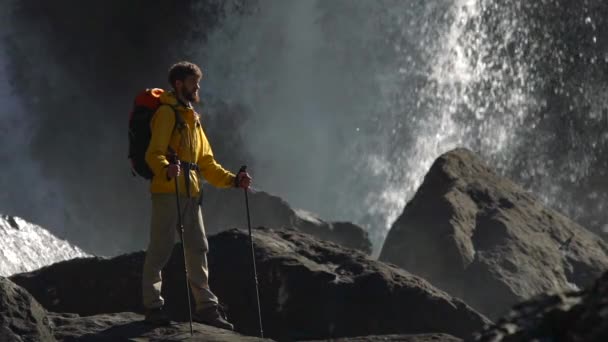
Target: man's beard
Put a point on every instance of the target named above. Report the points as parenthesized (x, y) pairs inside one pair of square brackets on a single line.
[(192, 97)]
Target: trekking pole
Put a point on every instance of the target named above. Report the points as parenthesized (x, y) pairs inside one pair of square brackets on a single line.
[(180, 227), (255, 272)]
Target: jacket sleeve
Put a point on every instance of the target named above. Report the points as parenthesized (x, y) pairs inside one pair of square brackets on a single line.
[(213, 172), (161, 127)]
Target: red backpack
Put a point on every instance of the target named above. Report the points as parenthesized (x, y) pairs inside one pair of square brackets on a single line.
[(146, 104)]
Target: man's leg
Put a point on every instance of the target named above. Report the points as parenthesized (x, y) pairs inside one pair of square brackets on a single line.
[(162, 240), (196, 246)]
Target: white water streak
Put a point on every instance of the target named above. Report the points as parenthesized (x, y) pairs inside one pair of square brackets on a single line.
[(26, 247)]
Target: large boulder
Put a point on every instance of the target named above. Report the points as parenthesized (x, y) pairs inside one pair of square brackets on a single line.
[(22, 318), (224, 209), (315, 289), (402, 338), (484, 239), (567, 316), (128, 326), (309, 289), (88, 286)]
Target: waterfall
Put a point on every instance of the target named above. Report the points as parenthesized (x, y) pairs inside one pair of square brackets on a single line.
[(353, 101), (26, 247), (345, 103)]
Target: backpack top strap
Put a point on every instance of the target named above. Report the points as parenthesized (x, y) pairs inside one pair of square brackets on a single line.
[(178, 118), (179, 124)]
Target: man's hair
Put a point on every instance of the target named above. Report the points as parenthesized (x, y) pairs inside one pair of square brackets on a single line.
[(179, 71)]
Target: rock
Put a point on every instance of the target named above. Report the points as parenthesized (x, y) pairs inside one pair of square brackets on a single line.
[(128, 326), (21, 317), (26, 246), (567, 316), (88, 286), (403, 338), (309, 289), (314, 289), (484, 239), (224, 209)]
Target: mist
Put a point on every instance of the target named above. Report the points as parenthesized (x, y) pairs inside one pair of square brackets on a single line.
[(25, 188), (322, 80)]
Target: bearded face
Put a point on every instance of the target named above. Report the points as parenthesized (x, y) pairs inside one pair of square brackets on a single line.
[(189, 89), (192, 95)]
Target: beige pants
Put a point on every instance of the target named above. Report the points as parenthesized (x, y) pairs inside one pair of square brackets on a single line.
[(163, 235)]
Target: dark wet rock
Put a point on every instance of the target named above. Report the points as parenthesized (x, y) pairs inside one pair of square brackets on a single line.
[(568, 316), (402, 338), (128, 326), (224, 209), (314, 289), (484, 239), (21, 317), (309, 289), (87, 286)]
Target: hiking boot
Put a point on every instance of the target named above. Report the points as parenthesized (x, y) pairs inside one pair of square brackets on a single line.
[(157, 316), (214, 316)]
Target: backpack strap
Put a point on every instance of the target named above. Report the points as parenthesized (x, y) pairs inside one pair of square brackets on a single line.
[(179, 121), (179, 124)]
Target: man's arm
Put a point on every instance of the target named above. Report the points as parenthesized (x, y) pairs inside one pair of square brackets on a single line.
[(161, 125), (213, 172)]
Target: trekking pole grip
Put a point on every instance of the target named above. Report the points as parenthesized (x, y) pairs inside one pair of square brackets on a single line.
[(237, 180)]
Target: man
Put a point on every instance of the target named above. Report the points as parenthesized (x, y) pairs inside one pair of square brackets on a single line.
[(179, 148)]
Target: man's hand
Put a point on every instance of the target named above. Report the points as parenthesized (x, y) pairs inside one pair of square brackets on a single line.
[(243, 180), (173, 170)]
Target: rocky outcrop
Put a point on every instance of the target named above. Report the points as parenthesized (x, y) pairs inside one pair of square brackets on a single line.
[(403, 338), (25, 246), (314, 289), (309, 289), (128, 326), (568, 316), (88, 286), (484, 239), (21, 317), (224, 209)]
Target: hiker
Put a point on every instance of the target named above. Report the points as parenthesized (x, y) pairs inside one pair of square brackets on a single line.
[(179, 148)]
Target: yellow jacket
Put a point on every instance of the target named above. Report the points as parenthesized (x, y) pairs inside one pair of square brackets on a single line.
[(191, 144)]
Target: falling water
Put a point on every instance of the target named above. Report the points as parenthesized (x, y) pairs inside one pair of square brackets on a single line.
[(26, 247), (404, 82), (346, 104), (451, 111)]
